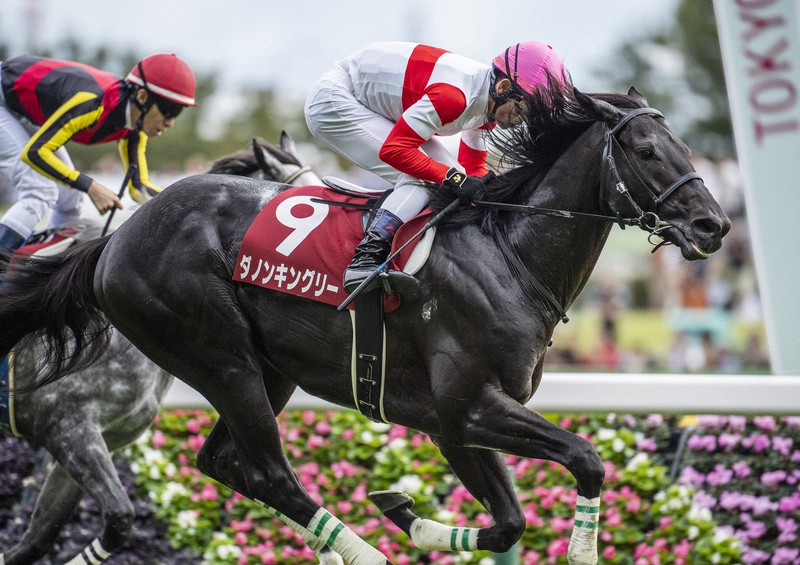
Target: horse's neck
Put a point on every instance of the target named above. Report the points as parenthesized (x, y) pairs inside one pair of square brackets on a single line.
[(562, 252)]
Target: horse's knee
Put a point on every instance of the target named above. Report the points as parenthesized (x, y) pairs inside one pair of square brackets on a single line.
[(587, 467), (119, 524)]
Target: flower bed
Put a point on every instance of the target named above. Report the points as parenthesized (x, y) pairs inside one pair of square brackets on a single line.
[(736, 499), (748, 476), (339, 457)]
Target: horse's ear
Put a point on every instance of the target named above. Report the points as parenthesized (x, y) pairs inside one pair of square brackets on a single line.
[(287, 144), (600, 109), (638, 96), (260, 154)]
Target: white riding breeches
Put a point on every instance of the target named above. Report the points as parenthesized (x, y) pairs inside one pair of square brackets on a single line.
[(36, 194), (336, 118)]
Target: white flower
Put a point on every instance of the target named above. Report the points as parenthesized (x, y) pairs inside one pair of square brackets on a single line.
[(154, 473), (618, 445), (367, 436), (447, 517), (699, 514), (229, 552), (716, 558), (144, 439), (605, 434), (171, 490), (187, 519), (410, 484), (398, 444), (637, 461), (693, 532)]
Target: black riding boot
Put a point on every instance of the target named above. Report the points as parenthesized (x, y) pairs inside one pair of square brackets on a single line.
[(372, 252), (9, 239)]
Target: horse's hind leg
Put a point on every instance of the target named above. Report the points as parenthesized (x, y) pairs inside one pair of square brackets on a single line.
[(83, 453), (486, 477), (56, 502), (218, 459)]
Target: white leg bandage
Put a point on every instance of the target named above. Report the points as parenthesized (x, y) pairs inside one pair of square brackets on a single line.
[(428, 535), (326, 529), (583, 542), (93, 554)]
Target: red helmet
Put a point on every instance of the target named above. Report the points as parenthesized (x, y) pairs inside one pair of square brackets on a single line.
[(166, 75)]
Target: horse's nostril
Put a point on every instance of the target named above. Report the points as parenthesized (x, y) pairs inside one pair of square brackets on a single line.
[(711, 226)]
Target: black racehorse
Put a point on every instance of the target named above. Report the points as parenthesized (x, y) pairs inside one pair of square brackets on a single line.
[(108, 405), (464, 355)]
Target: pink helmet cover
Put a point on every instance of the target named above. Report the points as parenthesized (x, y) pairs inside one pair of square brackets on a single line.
[(527, 64)]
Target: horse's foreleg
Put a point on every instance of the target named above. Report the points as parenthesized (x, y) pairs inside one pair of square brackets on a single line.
[(505, 425), (54, 505), (484, 474)]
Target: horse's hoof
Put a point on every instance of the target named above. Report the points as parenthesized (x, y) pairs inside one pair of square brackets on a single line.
[(388, 500)]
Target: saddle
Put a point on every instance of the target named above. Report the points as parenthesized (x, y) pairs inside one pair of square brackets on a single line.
[(301, 242)]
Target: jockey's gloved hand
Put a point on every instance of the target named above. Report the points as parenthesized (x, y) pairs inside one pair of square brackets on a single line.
[(467, 188)]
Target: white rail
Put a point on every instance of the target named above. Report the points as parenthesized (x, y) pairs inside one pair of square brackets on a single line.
[(616, 392)]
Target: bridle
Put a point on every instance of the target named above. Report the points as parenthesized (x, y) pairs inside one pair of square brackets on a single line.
[(648, 221)]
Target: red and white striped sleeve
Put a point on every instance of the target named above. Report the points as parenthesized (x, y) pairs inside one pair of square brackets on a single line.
[(441, 104)]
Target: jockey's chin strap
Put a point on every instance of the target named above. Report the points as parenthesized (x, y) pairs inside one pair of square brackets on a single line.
[(143, 107)]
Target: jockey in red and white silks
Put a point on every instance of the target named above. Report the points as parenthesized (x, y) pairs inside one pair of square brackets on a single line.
[(382, 107)]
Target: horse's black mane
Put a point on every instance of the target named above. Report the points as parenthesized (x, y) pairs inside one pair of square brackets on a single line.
[(552, 123), (245, 162), (240, 163)]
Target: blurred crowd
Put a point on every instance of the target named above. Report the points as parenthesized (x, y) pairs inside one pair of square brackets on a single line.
[(711, 308)]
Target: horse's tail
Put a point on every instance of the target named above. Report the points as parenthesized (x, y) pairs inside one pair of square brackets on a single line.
[(49, 302)]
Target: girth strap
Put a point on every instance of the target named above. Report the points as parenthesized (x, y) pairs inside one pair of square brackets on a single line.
[(368, 355)]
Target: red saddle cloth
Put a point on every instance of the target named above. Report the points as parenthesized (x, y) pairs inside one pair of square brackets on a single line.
[(301, 246)]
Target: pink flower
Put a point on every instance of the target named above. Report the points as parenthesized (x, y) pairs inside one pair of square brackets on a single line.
[(766, 423), (159, 440), (242, 526), (609, 552), (613, 517), (773, 478), (209, 492), (557, 547), (323, 428), (741, 469), (193, 426), (559, 524), (196, 442)]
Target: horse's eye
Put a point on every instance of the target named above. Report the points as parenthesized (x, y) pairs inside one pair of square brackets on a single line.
[(646, 154)]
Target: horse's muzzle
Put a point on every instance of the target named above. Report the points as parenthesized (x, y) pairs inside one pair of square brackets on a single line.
[(702, 237)]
